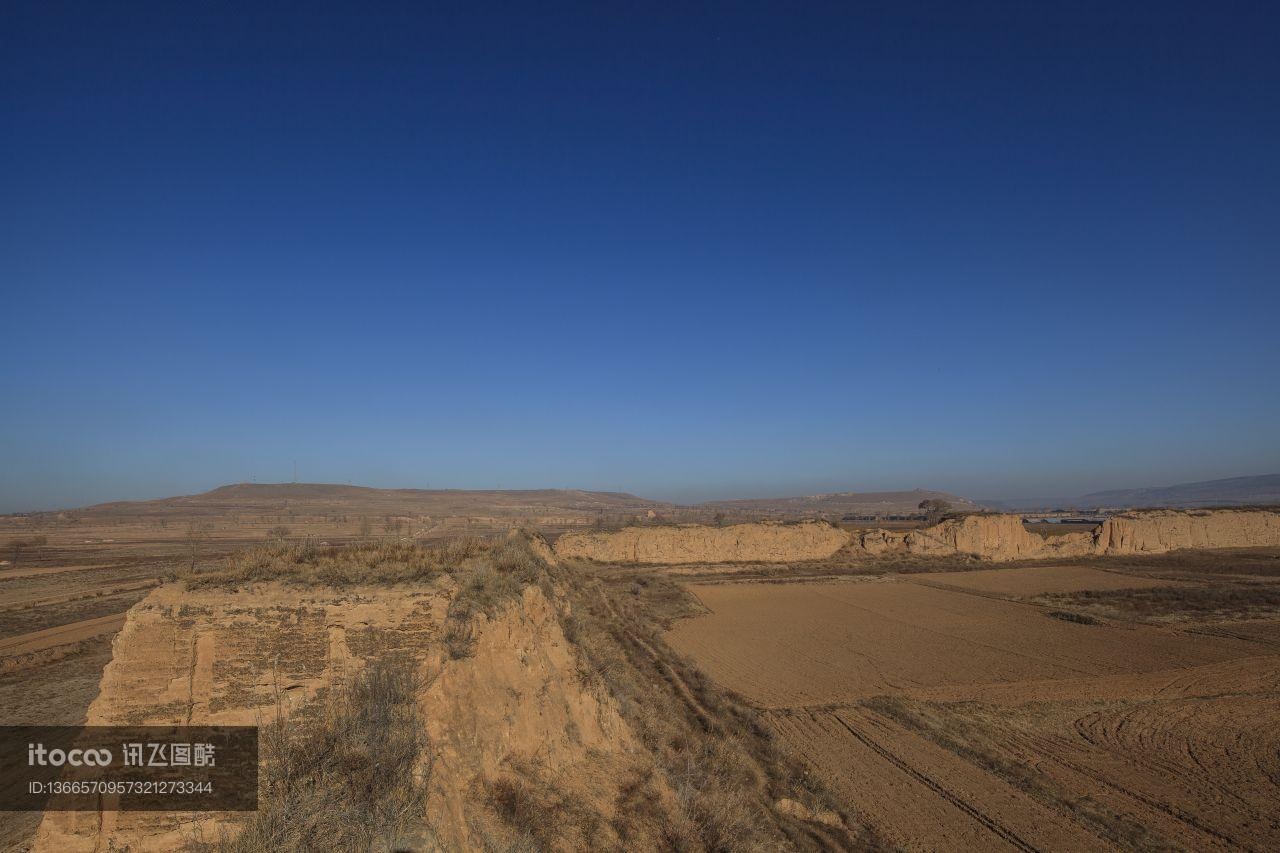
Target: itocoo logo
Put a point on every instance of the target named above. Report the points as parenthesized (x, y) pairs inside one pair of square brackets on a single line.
[(37, 754)]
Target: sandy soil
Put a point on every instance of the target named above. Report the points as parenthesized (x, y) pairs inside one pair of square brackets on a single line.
[(947, 712)]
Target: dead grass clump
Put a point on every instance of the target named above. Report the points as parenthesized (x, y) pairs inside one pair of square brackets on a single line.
[(484, 585), (638, 807), (351, 779), (540, 814), (1072, 616)]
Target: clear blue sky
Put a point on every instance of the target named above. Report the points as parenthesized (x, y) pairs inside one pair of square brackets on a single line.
[(684, 250)]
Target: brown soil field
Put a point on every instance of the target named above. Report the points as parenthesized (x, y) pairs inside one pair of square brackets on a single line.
[(958, 710), (1037, 580), (56, 693), (838, 641)]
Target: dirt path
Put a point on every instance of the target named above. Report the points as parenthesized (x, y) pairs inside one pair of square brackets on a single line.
[(62, 635)]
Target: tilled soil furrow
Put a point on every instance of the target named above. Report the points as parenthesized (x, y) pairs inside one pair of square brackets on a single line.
[(932, 784)]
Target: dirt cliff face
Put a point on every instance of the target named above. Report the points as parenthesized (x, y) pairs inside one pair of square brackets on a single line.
[(1003, 537), (763, 542), (1157, 531), (994, 537), (194, 657), (989, 537), (518, 706)]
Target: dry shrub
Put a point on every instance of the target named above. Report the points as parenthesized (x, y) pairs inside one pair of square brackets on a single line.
[(1072, 616), (349, 780)]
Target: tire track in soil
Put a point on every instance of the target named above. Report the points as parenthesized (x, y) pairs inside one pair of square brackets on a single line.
[(992, 825), (1049, 749)]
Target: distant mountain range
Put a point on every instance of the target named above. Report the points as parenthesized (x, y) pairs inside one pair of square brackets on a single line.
[(1232, 491), (839, 503), (327, 499)]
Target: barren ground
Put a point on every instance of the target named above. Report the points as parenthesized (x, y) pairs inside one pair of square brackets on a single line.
[(1091, 704), (1044, 707)]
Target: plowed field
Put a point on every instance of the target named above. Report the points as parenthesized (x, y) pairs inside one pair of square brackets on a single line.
[(952, 711)]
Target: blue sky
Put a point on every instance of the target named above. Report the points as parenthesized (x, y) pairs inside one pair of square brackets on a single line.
[(688, 251)]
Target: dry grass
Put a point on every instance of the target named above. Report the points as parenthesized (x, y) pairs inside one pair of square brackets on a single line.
[(308, 564), (1072, 616), (545, 817), (354, 779), (1184, 601), (487, 573), (1209, 563)]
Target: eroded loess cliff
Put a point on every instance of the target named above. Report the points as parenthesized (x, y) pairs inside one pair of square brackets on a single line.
[(1158, 531), (525, 742), (518, 715), (762, 542), (213, 656), (990, 537), (1003, 537)]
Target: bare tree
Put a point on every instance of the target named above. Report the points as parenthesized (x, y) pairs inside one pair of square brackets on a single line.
[(196, 534), (934, 510), (17, 546)]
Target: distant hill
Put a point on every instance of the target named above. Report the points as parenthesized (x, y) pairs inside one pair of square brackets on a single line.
[(329, 499), (545, 505), (1233, 491), (840, 503)]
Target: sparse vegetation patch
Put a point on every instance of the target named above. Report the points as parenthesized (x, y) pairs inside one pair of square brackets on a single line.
[(308, 564), (1182, 601), (355, 777)]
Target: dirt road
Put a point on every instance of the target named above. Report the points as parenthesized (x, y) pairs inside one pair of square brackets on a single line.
[(60, 636)]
